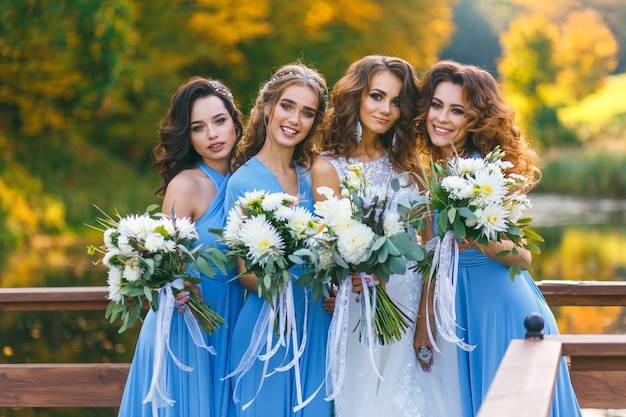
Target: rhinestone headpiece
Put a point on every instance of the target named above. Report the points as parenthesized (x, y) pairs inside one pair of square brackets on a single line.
[(304, 77), (223, 91)]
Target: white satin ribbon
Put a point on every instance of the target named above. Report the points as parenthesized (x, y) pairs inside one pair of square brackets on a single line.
[(444, 271), (263, 335), (157, 394), (338, 333)]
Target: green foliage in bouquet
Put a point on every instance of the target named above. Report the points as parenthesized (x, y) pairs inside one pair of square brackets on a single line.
[(476, 199), (147, 251)]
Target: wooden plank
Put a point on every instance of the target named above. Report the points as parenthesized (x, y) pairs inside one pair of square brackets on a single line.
[(524, 383), (584, 293), (591, 344), (600, 389), (62, 385), (53, 298)]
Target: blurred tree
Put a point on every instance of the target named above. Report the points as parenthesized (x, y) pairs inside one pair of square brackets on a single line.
[(613, 12), (544, 66), (61, 61), (586, 54)]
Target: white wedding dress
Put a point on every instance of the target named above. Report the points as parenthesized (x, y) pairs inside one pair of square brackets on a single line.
[(405, 390)]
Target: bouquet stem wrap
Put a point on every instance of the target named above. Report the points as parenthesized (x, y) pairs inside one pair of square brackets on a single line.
[(280, 319), (157, 395), (444, 272)]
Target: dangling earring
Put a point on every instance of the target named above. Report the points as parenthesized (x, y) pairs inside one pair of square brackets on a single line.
[(358, 131), (394, 139)]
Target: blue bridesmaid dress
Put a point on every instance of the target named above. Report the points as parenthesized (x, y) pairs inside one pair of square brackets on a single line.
[(200, 392), (277, 395), (490, 312)]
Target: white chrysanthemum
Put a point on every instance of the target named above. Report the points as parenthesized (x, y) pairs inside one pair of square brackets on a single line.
[(503, 165), (516, 205), (354, 242), (261, 238), (108, 238), (114, 280), (391, 224), (154, 242), (136, 226), (300, 220), (516, 179), (106, 259), (273, 201), (284, 212), (133, 270), (334, 212), (186, 229), (252, 198), (166, 223), (466, 166), (169, 246), (488, 188), (458, 188), (233, 223), (123, 244), (491, 220)]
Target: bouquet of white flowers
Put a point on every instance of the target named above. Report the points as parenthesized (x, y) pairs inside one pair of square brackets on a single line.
[(269, 231), (361, 233), (148, 257), (144, 253), (476, 199)]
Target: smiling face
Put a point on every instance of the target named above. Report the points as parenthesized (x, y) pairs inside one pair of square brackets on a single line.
[(293, 116), (380, 103), (446, 122), (212, 131)]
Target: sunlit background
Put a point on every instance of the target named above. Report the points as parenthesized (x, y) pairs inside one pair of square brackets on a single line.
[(84, 83)]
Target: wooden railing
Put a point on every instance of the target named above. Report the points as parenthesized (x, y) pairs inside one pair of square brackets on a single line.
[(598, 362), (524, 383)]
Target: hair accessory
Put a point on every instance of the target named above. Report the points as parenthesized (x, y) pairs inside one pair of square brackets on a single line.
[(358, 131), (222, 91), (304, 77)]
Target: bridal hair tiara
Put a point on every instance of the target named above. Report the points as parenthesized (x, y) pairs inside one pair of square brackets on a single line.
[(223, 91), (304, 77)]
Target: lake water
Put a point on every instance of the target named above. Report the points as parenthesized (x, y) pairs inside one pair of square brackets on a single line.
[(585, 240)]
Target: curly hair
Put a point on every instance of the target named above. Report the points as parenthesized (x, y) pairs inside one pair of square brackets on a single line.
[(175, 153), (491, 120), (338, 133), (269, 95)]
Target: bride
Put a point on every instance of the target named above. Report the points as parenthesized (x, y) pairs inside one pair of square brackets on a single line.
[(379, 137)]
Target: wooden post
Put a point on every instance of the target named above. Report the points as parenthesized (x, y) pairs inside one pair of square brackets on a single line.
[(524, 383)]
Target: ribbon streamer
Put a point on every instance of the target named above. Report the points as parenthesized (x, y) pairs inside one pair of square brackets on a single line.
[(158, 385), (263, 336), (444, 272), (338, 333)]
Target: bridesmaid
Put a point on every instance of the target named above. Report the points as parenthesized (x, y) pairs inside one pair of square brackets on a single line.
[(193, 158), (274, 156), (461, 110)]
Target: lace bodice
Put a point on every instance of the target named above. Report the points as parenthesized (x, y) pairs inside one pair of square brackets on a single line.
[(380, 172)]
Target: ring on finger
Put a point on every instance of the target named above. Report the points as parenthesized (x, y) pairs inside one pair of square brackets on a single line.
[(425, 355)]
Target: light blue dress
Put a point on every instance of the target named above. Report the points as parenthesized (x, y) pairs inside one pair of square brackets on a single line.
[(277, 396), (201, 391), (492, 308)]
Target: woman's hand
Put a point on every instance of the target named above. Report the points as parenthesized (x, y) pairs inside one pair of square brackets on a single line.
[(329, 303), (182, 297)]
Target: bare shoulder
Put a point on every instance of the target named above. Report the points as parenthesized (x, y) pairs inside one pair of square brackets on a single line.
[(322, 167), (189, 194)]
